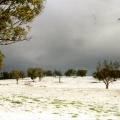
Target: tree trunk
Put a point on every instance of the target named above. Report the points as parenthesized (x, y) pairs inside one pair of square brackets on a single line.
[(17, 81), (39, 79), (106, 81), (33, 80), (107, 85), (59, 80)]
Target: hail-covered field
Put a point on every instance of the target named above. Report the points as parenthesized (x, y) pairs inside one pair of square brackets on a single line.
[(75, 98)]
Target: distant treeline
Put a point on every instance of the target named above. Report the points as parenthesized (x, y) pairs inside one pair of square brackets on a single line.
[(23, 74), (9, 75)]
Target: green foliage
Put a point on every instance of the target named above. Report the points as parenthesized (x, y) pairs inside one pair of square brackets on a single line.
[(14, 15), (10, 75), (57, 73), (1, 59), (75, 115), (48, 73), (44, 73), (16, 102), (39, 73), (70, 72), (5, 75), (16, 74), (107, 72), (31, 72), (35, 72), (22, 74), (81, 73)]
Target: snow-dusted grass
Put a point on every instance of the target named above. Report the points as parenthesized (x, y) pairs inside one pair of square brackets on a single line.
[(80, 98)]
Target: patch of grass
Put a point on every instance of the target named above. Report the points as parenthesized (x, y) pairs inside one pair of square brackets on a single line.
[(113, 107), (98, 117), (73, 103), (98, 111), (92, 109), (90, 105), (6, 99), (44, 107), (58, 106), (55, 113), (56, 101), (117, 114), (109, 110), (96, 108), (59, 103), (76, 104), (35, 99), (27, 111), (16, 102), (63, 103), (70, 113), (105, 114), (25, 97), (75, 116)]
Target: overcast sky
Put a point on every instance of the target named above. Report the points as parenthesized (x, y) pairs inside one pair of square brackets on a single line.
[(69, 34)]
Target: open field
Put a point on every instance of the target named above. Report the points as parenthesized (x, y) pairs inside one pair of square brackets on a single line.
[(80, 98)]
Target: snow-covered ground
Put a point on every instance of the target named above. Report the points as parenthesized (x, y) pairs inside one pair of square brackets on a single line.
[(75, 98)]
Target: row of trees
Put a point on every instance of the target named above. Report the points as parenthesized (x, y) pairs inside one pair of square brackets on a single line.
[(17, 74), (13, 74), (7, 75), (72, 72), (107, 72), (69, 72), (39, 72)]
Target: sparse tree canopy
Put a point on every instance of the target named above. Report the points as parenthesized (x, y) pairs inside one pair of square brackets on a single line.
[(1, 59), (16, 74), (14, 15), (107, 72)]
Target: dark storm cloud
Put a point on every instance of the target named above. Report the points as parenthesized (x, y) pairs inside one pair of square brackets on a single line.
[(69, 34)]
